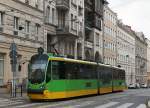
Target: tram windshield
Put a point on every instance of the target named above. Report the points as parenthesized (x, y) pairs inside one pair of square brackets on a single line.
[(37, 69)]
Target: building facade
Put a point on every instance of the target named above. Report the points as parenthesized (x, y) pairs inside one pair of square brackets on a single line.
[(21, 21), (148, 61), (50, 24), (93, 40), (110, 30), (126, 51), (69, 39), (140, 58)]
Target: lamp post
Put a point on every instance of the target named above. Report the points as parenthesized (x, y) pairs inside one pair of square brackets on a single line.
[(128, 64), (13, 61)]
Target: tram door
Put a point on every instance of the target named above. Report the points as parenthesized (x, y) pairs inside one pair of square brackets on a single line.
[(106, 80)]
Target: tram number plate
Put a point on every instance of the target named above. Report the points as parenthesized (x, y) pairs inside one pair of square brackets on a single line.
[(88, 84)]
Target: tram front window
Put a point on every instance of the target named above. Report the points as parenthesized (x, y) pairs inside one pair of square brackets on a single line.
[(37, 74), (37, 71)]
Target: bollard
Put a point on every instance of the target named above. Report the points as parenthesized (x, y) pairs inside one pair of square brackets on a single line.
[(15, 90), (11, 90), (21, 90)]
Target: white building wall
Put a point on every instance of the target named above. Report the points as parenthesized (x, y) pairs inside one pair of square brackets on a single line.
[(76, 29), (27, 42), (110, 28), (126, 54)]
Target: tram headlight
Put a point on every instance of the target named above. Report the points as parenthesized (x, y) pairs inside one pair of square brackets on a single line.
[(42, 86)]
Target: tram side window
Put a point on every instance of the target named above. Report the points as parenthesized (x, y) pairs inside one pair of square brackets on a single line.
[(55, 71), (80, 71), (122, 75), (87, 71), (115, 74), (62, 69), (72, 71), (48, 74), (106, 75), (58, 70)]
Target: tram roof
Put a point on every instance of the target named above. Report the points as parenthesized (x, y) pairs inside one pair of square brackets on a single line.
[(80, 61)]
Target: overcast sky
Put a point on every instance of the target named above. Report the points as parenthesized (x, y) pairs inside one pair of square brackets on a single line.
[(135, 13)]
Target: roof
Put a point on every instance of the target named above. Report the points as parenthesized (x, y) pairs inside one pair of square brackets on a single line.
[(80, 61)]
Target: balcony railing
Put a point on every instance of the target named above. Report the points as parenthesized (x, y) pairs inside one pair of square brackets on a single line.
[(62, 4), (88, 44), (63, 30)]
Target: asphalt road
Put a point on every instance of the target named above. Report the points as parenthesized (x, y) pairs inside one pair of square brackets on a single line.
[(135, 98)]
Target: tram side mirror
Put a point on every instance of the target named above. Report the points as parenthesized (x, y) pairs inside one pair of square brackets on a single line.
[(19, 68), (40, 50), (119, 66)]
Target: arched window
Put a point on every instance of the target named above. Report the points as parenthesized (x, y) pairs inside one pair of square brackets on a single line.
[(48, 14)]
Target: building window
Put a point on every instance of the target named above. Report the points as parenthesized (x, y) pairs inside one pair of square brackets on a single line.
[(71, 21), (37, 26), (27, 1), (75, 23), (16, 23), (1, 18), (1, 69), (97, 39), (27, 26), (48, 14), (36, 3), (61, 19), (53, 16)]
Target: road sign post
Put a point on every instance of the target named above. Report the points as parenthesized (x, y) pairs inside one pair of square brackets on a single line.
[(13, 61)]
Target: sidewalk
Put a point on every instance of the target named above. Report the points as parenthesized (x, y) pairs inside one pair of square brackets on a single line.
[(5, 94)]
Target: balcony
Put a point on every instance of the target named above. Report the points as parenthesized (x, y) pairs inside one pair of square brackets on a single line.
[(88, 44), (65, 32), (62, 4)]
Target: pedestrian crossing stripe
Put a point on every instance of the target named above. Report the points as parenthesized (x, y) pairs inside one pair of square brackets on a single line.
[(125, 105), (22, 104), (107, 105), (141, 106), (27, 105), (9, 104)]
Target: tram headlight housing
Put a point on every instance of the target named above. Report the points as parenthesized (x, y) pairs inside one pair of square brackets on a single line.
[(42, 86)]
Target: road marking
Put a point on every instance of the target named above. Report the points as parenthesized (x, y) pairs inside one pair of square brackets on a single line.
[(27, 105), (141, 106), (56, 104), (83, 104), (126, 105), (4, 100), (9, 104), (107, 105)]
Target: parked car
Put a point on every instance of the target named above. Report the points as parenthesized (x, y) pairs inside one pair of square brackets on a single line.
[(144, 86), (134, 86), (131, 86), (137, 85)]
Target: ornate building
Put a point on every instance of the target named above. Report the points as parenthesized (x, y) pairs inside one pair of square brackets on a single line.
[(21, 21), (126, 51), (94, 30), (110, 30), (50, 24), (140, 58), (148, 61), (68, 40)]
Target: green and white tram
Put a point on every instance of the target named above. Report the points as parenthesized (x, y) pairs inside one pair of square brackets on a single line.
[(52, 77)]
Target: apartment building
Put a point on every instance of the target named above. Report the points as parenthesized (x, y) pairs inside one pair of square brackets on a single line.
[(93, 43), (126, 51), (70, 28), (148, 62), (110, 36), (140, 58), (50, 24), (21, 21)]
